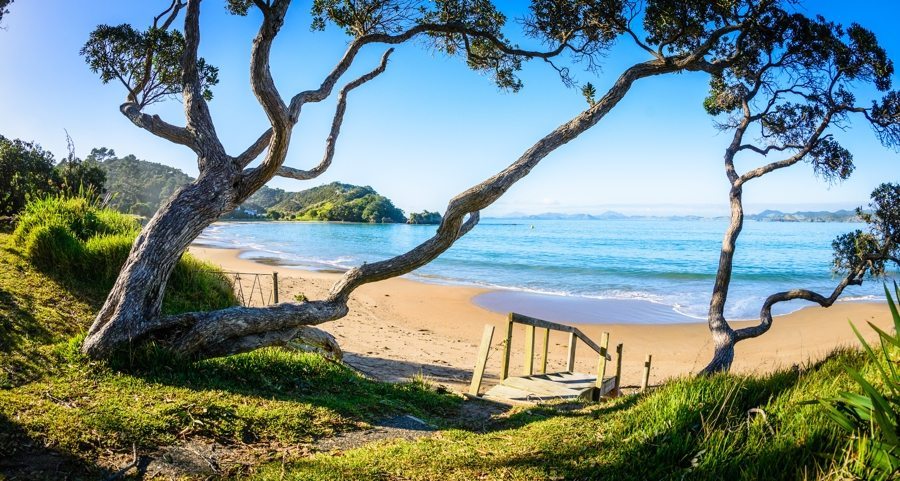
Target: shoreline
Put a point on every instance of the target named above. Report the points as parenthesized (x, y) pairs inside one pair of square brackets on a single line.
[(400, 328)]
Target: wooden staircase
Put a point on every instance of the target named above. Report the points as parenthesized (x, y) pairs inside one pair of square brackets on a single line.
[(531, 387)]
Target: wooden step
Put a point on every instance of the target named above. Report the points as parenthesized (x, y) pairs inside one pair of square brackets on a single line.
[(547, 387)]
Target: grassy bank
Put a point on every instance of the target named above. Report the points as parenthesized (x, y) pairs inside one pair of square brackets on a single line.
[(725, 427), (60, 411), (64, 416)]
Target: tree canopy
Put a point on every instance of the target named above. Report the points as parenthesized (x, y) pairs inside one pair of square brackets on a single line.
[(26, 171)]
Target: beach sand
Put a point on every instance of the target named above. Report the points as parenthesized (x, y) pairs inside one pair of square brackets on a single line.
[(400, 328)]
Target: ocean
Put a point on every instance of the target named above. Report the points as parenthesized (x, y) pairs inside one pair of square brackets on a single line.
[(651, 270)]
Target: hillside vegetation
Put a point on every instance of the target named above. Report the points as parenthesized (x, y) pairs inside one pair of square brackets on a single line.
[(339, 202), (139, 187)]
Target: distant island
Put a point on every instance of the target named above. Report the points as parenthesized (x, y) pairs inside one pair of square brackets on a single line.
[(334, 202), (842, 215)]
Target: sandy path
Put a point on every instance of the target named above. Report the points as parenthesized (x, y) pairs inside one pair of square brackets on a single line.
[(400, 328)]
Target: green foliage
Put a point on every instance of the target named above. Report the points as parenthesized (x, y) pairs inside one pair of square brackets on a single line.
[(137, 186), (872, 418), (196, 285), (339, 202), (796, 80), (35, 310), (869, 251), (76, 176), (4, 4), (120, 53), (424, 217), (589, 93), (258, 204), (26, 171), (75, 239)]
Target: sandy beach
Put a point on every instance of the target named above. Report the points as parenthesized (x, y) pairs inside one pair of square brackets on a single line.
[(401, 328)]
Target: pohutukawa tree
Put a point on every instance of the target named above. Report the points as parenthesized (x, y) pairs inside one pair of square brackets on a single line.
[(678, 36), (784, 101)]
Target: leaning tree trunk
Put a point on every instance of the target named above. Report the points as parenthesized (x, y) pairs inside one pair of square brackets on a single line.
[(722, 334), (139, 290)]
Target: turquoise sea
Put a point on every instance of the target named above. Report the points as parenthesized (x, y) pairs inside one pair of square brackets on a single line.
[(667, 264)]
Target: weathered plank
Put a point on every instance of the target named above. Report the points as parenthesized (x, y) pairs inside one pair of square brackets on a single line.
[(646, 381), (546, 347), (543, 386), (483, 352), (601, 363), (570, 364), (507, 346), (531, 321), (618, 385), (528, 364)]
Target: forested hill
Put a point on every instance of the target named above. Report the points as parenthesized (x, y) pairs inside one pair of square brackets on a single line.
[(338, 202), (139, 187)]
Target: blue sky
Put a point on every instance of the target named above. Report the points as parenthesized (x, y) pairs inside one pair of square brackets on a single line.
[(428, 128)]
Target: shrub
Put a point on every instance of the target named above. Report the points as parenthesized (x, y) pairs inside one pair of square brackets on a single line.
[(76, 239), (196, 285), (105, 255), (54, 248), (873, 417)]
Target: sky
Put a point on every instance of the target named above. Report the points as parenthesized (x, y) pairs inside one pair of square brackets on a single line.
[(428, 128)]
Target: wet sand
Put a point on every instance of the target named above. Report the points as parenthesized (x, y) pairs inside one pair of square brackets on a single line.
[(401, 328)]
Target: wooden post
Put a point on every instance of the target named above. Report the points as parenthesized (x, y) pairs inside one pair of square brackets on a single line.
[(504, 369), (483, 352), (646, 381), (528, 368), (570, 365), (275, 287), (601, 364), (618, 383), (546, 346)]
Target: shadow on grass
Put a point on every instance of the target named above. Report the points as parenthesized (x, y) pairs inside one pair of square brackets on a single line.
[(291, 376), (710, 428), (704, 441), (24, 458)]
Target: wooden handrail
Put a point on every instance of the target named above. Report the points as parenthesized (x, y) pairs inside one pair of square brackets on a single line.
[(531, 321)]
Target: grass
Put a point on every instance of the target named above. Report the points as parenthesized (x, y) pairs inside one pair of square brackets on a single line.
[(271, 395), (56, 403), (724, 427)]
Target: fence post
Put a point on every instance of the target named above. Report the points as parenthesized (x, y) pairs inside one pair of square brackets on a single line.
[(601, 364), (546, 346), (528, 369), (483, 352), (504, 369), (646, 380), (275, 286), (618, 384), (570, 364)]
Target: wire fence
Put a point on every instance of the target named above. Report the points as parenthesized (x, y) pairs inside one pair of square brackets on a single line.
[(254, 289)]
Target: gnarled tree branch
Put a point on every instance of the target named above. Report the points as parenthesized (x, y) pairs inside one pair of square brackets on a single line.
[(159, 127), (336, 123), (765, 315)]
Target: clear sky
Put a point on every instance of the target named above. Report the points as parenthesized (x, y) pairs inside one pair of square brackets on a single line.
[(428, 128)]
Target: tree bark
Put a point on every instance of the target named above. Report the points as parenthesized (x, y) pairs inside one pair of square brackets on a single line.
[(722, 334), (139, 290)]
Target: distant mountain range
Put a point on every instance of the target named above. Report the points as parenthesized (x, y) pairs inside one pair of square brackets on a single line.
[(764, 216)]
